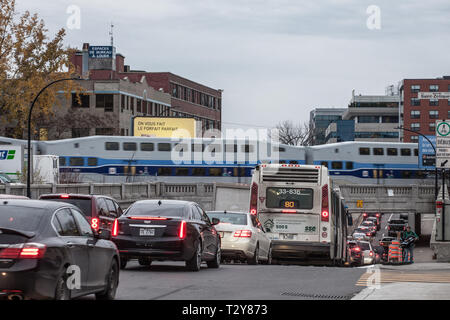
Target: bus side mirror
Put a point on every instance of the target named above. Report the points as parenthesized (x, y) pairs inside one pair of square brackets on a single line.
[(349, 220)]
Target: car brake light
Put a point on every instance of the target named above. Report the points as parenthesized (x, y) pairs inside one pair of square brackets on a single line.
[(94, 224), (23, 251), (364, 214), (357, 249), (65, 196), (182, 231), (115, 228), (325, 215), (243, 234), (147, 218), (254, 198), (389, 227), (378, 215), (371, 253), (288, 211)]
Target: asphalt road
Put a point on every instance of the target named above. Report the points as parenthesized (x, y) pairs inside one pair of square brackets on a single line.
[(170, 281)]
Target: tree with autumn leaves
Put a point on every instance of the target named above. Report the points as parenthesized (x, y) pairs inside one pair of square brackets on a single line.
[(29, 60)]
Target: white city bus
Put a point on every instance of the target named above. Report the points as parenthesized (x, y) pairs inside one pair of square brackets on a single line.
[(305, 219)]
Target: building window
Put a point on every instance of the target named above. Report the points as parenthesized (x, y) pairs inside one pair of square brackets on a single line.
[(434, 114), (80, 132), (415, 126), (434, 88), (432, 126), (104, 131), (368, 119), (392, 151), (122, 102), (415, 114), (434, 102), (83, 103), (415, 88), (414, 138), (448, 114), (378, 151), (105, 101), (415, 102)]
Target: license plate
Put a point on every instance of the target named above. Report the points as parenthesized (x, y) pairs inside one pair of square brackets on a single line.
[(146, 232), (288, 236)]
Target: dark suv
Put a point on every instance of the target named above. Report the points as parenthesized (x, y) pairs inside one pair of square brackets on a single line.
[(101, 211)]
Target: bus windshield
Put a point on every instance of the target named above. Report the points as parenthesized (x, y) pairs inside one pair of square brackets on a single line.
[(289, 198)]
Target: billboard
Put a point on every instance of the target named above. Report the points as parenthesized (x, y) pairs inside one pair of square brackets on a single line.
[(11, 160), (427, 157), (101, 52), (164, 127)]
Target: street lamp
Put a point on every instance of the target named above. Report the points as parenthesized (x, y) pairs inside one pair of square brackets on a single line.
[(435, 159), (29, 131)]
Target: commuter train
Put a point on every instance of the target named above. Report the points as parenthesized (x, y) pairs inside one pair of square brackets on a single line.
[(139, 159)]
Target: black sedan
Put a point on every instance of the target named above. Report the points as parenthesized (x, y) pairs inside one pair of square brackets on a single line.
[(48, 250), (167, 230)]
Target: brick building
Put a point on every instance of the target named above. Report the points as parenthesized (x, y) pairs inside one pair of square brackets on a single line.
[(421, 114)]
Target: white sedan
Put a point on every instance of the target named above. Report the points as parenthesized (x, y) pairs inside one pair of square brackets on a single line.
[(242, 237)]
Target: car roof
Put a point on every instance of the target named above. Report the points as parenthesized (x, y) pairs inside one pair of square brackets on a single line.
[(166, 201), (226, 212), (28, 203), (12, 196)]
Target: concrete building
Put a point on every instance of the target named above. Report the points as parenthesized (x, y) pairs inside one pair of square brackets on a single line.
[(421, 114), (320, 119), (368, 118), (113, 94)]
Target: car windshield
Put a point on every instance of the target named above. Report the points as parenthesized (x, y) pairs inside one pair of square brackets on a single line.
[(364, 246), (85, 205), (154, 209), (20, 218), (232, 218), (397, 222)]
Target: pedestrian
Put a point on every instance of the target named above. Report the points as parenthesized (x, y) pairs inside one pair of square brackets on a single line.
[(409, 237)]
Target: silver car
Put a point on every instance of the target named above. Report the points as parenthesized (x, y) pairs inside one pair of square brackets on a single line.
[(242, 237)]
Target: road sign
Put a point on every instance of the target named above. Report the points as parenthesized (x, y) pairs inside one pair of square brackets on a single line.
[(359, 203), (427, 159), (443, 143)]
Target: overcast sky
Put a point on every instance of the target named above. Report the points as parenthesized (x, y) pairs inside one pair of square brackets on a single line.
[(275, 60)]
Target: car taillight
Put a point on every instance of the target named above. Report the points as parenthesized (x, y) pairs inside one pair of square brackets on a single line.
[(115, 228), (325, 213), (357, 249), (371, 253), (243, 234), (65, 196), (182, 231), (368, 234), (288, 211), (94, 224), (365, 215), (378, 215), (254, 198), (23, 251)]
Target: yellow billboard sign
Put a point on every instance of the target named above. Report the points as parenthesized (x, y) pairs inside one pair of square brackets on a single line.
[(164, 127)]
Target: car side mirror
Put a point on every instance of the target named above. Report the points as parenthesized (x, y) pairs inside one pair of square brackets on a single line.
[(215, 221), (104, 234)]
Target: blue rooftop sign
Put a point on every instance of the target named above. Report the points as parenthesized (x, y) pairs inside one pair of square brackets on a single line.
[(101, 52)]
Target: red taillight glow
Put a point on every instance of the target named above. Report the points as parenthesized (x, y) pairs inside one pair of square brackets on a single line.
[(115, 228), (147, 218), (439, 204), (65, 196), (364, 214), (182, 231), (378, 215), (371, 253), (357, 249), (94, 224), (368, 234), (243, 234), (23, 251), (254, 199), (325, 215), (288, 211)]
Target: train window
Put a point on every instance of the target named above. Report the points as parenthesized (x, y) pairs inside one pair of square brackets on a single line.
[(129, 146), (416, 152), (76, 162), (181, 171), (147, 147), (405, 152), (231, 148), (349, 165), (324, 163), (294, 162), (364, 151), (378, 151), (392, 151), (111, 146), (336, 165), (164, 171), (92, 161), (248, 148), (406, 174), (282, 161), (62, 161), (164, 147), (198, 171), (216, 172)]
